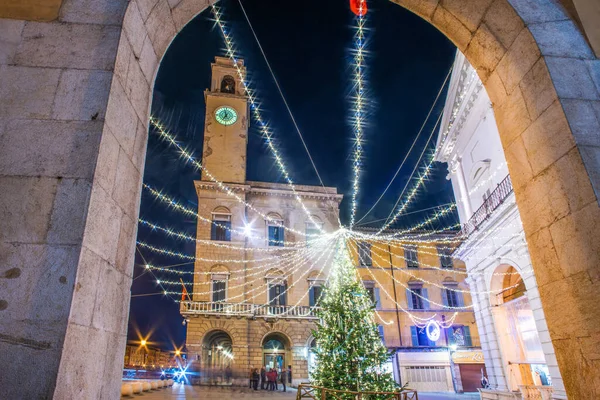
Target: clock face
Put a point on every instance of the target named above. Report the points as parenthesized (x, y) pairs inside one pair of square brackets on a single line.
[(226, 115)]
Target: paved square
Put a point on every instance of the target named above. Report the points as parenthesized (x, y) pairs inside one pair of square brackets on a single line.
[(184, 392)]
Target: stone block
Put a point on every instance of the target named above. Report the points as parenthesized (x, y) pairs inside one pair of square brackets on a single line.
[(25, 208), (113, 366), (69, 211), (138, 90), (111, 308), (512, 117), (148, 61), (590, 156), (103, 225), (576, 240), (82, 95), (495, 89), (185, 11), (561, 39), (537, 89), (503, 22), (518, 60), (124, 59), (571, 78), (85, 287), (133, 26), (582, 119), (93, 11), (146, 6), (469, 13), (452, 28), (49, 148), (90, 46), (161, 28), (27, 92), (535, 12), (78, 340), (121, 117), (126, 246), (106, 166), (594, 68), (548, 138), (484, 52), (10, 37)]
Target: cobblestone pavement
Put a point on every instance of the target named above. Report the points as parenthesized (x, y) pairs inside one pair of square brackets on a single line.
[(186, 392)]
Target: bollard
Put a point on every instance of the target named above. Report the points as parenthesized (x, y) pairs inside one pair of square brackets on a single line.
[(137, 387), (126, 389), (146, 386)]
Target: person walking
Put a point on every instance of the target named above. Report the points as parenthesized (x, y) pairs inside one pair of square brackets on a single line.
[(271, 376), (255, 377), (263, 377), (283, 378)]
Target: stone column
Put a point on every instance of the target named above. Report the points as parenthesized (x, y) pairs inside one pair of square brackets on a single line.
[(487, 333), (456, 169)]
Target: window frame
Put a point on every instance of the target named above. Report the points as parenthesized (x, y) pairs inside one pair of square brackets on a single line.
[(362, 247), (409, 250), (219, 277), (279, 224), (445, 254), (220, 223)]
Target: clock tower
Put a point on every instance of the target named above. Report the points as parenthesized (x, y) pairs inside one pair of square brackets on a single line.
[(226, 123)]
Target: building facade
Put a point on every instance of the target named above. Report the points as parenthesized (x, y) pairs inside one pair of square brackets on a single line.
[(254, 309), (518, 351), (417, 277)]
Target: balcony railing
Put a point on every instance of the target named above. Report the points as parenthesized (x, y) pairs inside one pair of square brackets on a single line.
[(494, 200), (247, 310)]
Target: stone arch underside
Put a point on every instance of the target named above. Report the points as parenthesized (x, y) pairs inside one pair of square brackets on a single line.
[(73, 144)]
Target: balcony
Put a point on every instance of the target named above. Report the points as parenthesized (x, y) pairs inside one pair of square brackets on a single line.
[(494, 200), (189, 308)]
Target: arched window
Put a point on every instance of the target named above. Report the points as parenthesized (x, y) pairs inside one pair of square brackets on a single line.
[(221, 225), (275, 231), (228, 84)]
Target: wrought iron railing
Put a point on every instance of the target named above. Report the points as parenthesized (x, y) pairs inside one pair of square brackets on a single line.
[(306, 391), (491, 203), (247, 310)]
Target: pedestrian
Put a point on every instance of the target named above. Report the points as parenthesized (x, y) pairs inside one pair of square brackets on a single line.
[(255, 377), (228, 373), (289, 374), (271, 379), (283, 378), (263, 377), (275, 378)]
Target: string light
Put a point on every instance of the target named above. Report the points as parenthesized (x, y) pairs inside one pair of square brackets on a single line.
[(358, 107), (255, 109)]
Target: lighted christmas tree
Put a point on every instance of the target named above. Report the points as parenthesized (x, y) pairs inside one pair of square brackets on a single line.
[(349, 352)]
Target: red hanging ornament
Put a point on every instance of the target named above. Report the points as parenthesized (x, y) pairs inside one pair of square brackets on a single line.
[(358, 7)]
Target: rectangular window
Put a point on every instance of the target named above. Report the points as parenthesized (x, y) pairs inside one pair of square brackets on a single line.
[(381, 335), (221, 228), (219, 288), (445, 257), (419, 337), (417, 298), (315, 295), (451, 298), (311, 233), (410, 254), (460, 335), (277, 294), (276, 237), (364, 254)]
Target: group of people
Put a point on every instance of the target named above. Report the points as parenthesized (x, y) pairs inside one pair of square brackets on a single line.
[(269, 378)]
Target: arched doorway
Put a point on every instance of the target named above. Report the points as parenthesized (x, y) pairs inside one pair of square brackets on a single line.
[(217, 357), (276, 351), (534, 62), (518, 337)]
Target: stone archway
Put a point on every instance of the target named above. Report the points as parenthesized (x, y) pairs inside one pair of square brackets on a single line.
[(75, 100)]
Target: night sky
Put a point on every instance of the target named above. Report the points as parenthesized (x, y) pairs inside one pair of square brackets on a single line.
[(308, 47)]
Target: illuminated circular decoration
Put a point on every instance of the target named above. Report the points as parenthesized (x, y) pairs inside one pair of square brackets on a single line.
[(433, 330), (226, 115)]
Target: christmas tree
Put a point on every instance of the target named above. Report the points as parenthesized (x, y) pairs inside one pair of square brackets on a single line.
[(349, 352)]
